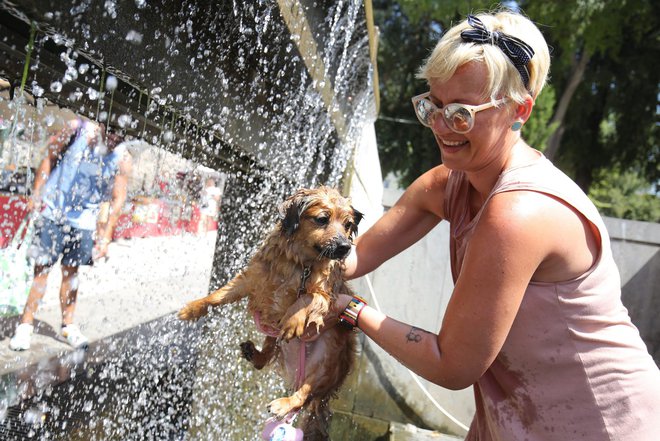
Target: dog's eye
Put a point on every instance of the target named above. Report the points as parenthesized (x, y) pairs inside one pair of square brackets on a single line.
[(322, 220), (348, 225)]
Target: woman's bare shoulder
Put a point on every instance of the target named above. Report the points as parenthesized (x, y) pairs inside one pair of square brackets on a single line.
[(428, 190), (562, 239), (434, 179)]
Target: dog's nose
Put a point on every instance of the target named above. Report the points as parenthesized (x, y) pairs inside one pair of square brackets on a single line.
[(341, 249)]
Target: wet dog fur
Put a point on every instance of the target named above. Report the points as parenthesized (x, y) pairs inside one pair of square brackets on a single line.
[(315, 231)]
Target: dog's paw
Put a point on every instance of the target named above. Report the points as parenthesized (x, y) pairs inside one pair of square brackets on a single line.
[(248, 350), (292, 328), (192, 311), (282, 407), (186, 313), (294, 325)]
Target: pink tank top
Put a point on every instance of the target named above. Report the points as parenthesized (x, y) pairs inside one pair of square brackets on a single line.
[(573, 366)]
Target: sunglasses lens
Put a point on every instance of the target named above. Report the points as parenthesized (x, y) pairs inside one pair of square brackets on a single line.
[(458, 118), (425, 110)]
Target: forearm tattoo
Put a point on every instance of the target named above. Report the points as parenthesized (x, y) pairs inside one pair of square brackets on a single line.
[(415, 335)]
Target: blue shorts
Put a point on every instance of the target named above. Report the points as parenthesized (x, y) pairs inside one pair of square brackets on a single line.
[(53, 240)]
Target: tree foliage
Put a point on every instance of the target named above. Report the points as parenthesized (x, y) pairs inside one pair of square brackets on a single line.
[(620, 85), (406, 147), (624, 195), (601, 117)]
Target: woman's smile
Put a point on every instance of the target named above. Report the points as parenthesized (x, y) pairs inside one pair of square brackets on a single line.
[(449, 146), (452, 143)]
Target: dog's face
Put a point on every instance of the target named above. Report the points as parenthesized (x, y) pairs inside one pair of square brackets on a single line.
[(321, 221)]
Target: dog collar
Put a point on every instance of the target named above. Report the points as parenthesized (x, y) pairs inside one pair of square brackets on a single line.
[(307, 270)]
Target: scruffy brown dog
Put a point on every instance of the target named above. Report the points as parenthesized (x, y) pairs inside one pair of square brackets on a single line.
[(291, 283)]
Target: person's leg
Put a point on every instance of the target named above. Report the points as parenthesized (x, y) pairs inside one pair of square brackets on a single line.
[(45, 248), (68, 293), (37, 291), (77, 252), (22, 338)]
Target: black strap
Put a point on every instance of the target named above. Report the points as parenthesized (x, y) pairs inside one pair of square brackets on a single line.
[(519, 52)]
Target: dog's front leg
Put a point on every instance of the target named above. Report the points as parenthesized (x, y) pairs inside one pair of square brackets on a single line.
[(233, 291), (258, 358), (308, 309)]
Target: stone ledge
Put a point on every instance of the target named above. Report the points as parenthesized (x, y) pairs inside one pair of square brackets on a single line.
[(408, 432), (355, 427)]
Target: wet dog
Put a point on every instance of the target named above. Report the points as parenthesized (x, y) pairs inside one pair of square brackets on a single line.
[(291, 283)]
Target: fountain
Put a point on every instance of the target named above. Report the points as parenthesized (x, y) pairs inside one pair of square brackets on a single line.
[(271, 95)]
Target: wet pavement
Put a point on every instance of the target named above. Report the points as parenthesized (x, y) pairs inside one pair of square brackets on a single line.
[(125, 307), (143, 279)]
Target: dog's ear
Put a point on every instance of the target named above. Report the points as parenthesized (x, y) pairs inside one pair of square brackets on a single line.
[(357, 217), (291, 211)]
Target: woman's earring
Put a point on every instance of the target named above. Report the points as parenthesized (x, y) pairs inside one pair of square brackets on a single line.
[(516, 126)]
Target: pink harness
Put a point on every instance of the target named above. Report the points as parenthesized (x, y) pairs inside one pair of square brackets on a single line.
[(272, 331), (273, 428)]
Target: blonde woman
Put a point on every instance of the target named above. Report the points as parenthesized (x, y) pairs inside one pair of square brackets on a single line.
[(535, 322)]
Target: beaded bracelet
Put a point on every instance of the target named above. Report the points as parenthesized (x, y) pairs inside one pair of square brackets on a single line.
[(349, 316)]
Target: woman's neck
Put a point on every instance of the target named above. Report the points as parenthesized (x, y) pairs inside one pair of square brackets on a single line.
[(485, 179)]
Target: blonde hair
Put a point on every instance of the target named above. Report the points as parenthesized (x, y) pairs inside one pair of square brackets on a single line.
[(452, 52)]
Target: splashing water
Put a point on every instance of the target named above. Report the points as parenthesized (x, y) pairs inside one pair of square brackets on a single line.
[(233, 80)]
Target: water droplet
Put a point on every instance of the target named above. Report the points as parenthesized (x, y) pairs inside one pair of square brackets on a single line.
[(134, 37), (124, 120), (93, 94), (111, 83), (168, 136), (111, 8), (71, 74), (75, 96), (56, 87)]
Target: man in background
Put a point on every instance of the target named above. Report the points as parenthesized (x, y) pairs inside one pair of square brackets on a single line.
[(84, 167)]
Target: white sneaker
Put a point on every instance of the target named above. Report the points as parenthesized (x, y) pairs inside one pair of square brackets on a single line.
[(21, 339), (71, 334)]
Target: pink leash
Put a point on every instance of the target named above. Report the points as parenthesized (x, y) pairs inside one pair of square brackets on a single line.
[(272, 331), (273, 428)]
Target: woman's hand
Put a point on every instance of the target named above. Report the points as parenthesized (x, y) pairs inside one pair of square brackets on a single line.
[(331, 318)]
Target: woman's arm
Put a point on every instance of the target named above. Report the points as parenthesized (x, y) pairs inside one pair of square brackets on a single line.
[(509, 244)]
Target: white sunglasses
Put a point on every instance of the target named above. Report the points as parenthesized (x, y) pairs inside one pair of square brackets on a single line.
[(459, 117)]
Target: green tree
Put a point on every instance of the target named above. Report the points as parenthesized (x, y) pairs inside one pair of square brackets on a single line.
[(599, 111), (605, 67), (405, 146), (624, 195)]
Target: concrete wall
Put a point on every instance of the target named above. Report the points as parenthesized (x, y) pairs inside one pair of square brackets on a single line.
[(636, 249)]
